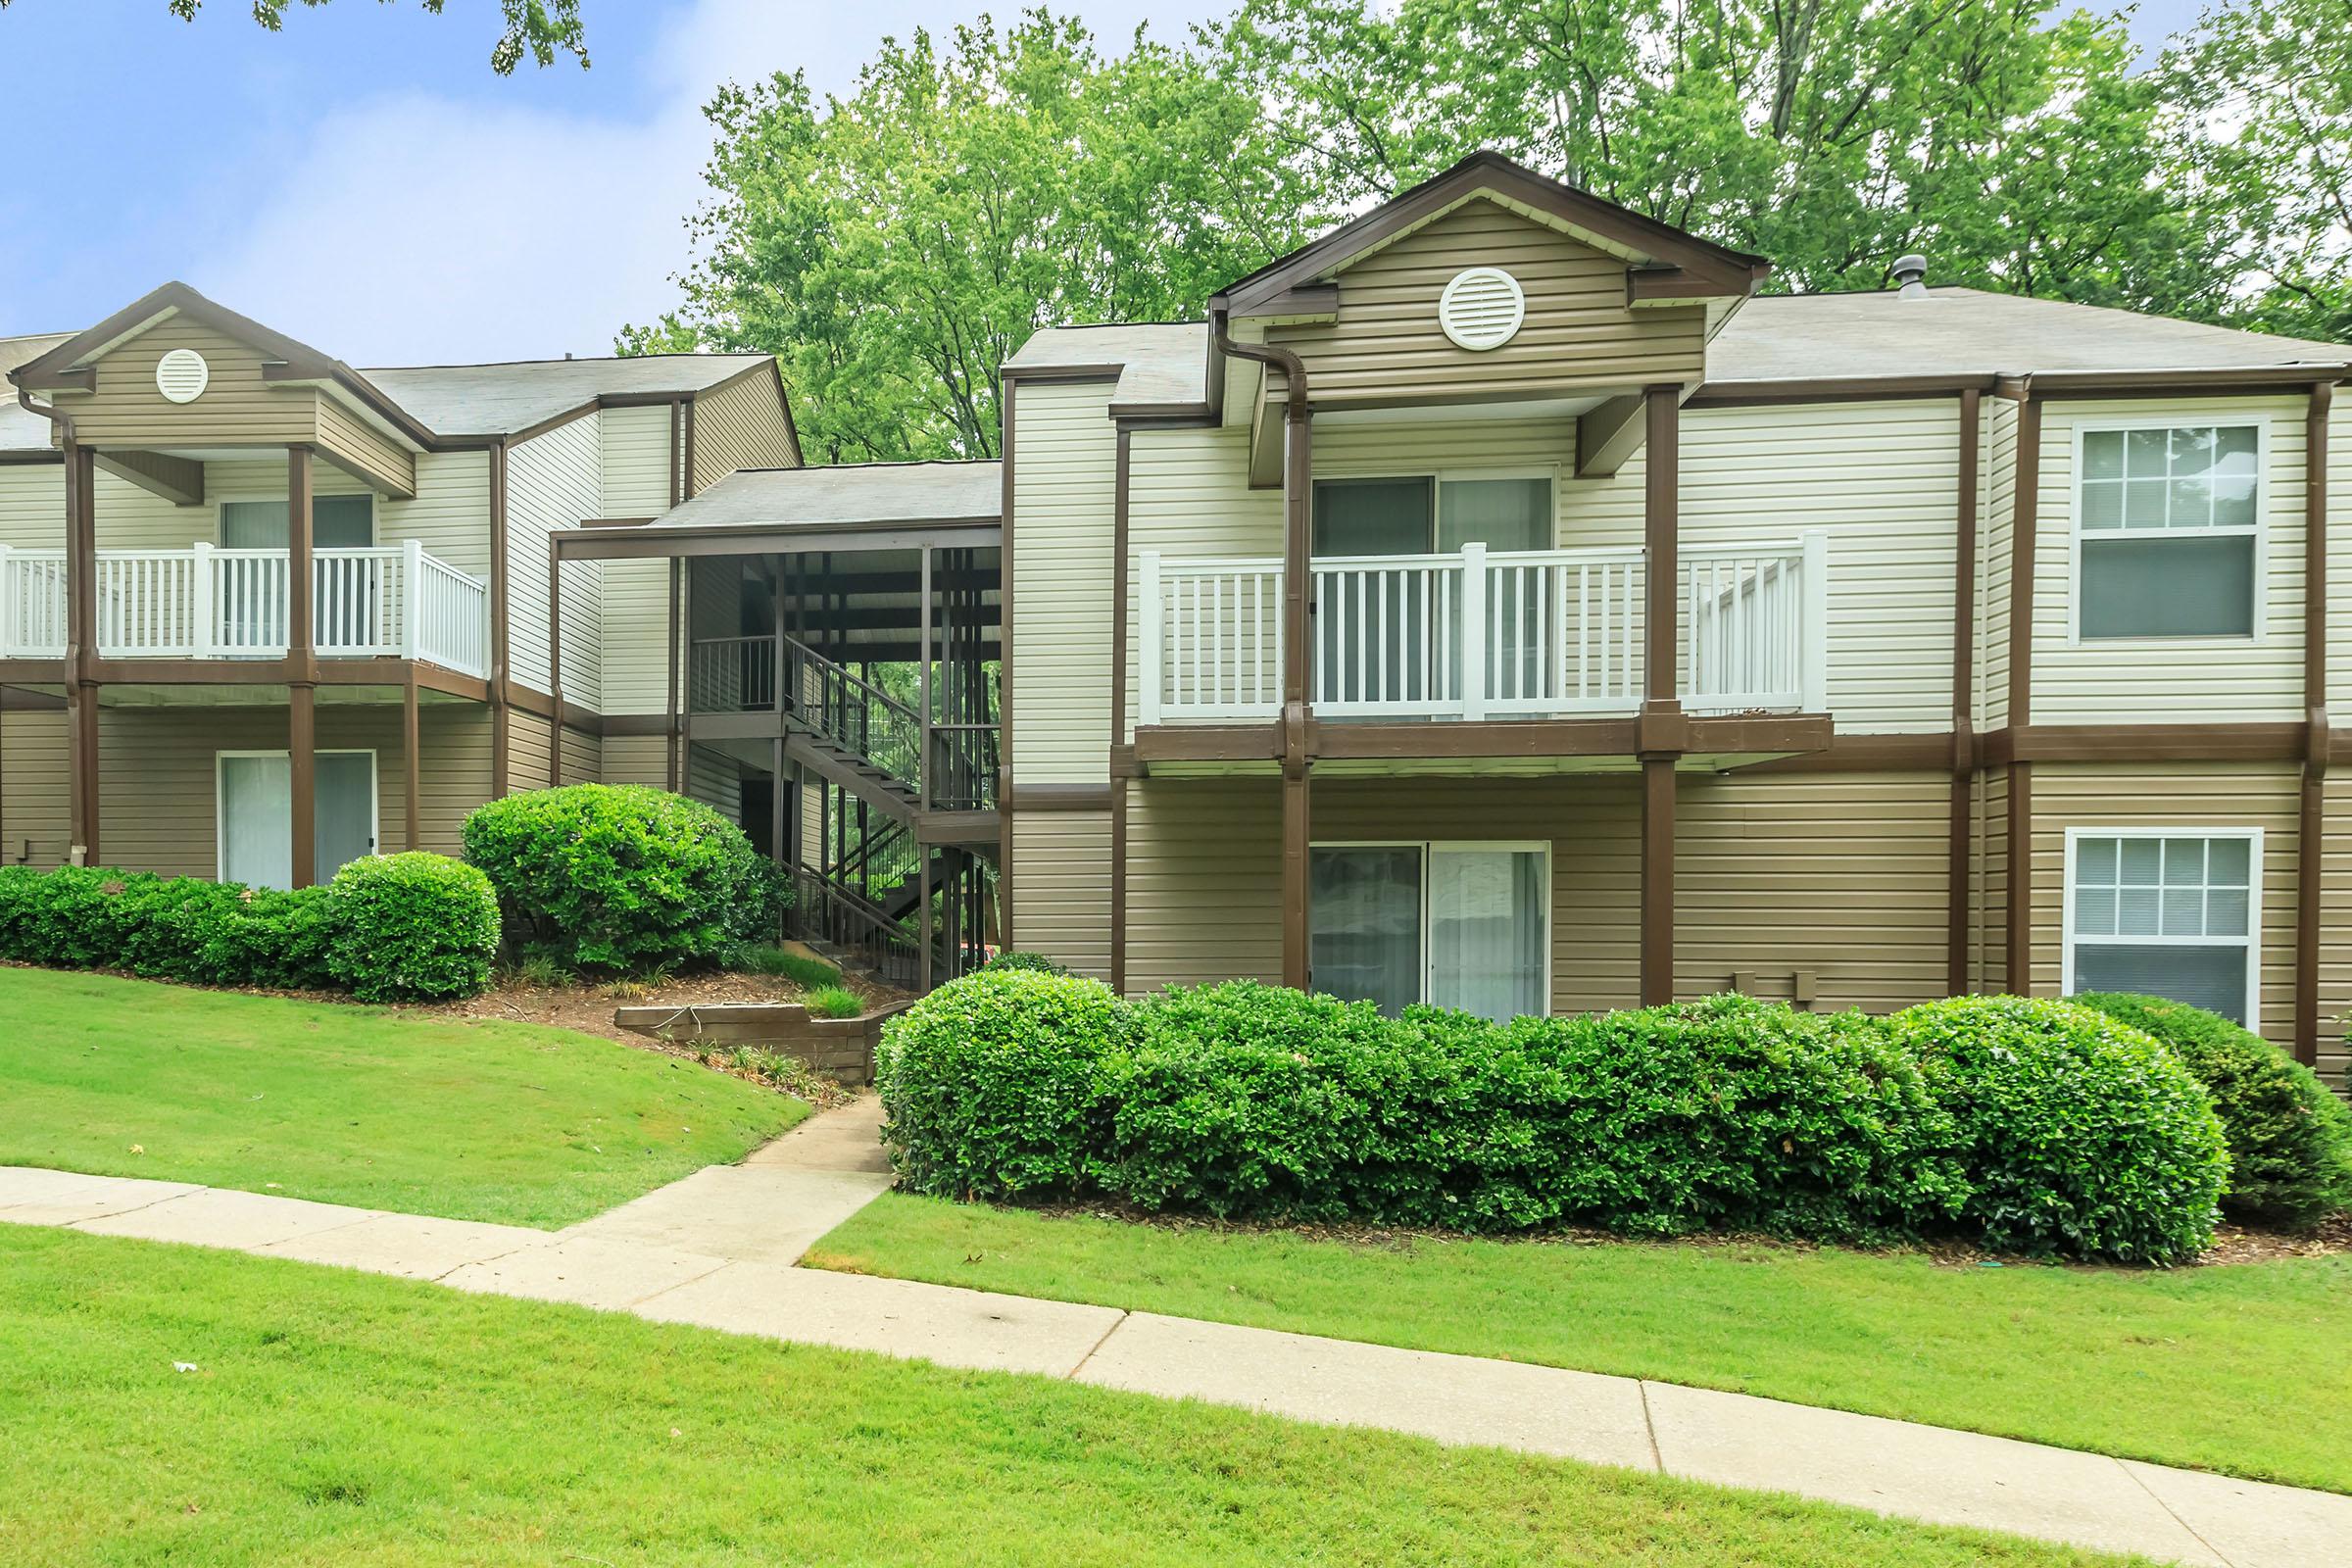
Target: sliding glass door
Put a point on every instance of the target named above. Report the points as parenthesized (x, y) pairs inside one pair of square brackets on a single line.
[(256, 804), (1462, 926)]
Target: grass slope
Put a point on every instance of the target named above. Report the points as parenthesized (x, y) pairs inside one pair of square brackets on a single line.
[(340, 1417), (508, 1122), (2212, 1368)]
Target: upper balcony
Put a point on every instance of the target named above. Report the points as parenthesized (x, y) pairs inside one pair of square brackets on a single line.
[(1480, 635), (206, 603)]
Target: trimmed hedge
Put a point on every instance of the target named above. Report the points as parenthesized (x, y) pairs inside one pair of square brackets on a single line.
[(989, 1086), (2025, 1125), (2080, 1134), (412, 926), (623, 877), (2290, 1140), (389, 929)]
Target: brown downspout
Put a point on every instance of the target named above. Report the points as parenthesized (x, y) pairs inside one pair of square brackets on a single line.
[(1298, 492), (81, 650), (501, 731), (2311, 820), (302, 691), (1661, 735), (2024, 531), (1964, 678)]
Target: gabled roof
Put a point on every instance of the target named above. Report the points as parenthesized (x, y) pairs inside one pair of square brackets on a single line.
[(426, 405), (1687, 267)]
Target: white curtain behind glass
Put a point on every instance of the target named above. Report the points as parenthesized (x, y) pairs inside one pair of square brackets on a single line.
[(1485, 931), (1365, 943), (257, 802)]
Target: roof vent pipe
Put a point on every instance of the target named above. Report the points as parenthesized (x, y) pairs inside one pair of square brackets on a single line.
[(1911, 276)]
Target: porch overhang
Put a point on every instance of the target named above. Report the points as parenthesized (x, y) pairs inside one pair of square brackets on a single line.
[(1698, 744)]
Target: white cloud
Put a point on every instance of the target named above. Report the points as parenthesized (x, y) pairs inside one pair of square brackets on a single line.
[(422, 229)]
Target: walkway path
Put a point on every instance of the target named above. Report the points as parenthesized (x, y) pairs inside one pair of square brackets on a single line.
[(717, 1250)]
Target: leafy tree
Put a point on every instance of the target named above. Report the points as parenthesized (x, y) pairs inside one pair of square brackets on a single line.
[(893, 248), (2268, 89), (540, 29), (1828, 135)]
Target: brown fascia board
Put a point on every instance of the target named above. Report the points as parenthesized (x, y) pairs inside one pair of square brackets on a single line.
[(1729, 271)]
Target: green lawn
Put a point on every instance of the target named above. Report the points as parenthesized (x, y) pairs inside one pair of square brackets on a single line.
[(345, 1418), (2213, 1368), (427, 1115)]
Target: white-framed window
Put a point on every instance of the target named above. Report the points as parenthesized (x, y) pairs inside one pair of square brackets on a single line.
[(2168, 536), (261, 523), (1461, 923), (2170, 912)]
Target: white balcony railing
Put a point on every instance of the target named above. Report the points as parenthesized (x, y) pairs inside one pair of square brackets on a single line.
[(206, 603), (1478, 635)]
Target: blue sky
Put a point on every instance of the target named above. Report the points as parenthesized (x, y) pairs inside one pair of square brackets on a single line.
[(364, 181)]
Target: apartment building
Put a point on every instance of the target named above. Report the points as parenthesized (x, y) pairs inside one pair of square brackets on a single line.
[(1510, 608)]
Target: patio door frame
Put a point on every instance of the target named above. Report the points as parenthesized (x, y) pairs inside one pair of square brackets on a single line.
[(1428, 848), (376, 802)]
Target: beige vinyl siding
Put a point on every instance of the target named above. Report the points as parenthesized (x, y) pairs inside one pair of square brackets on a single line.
[(634, 454), (636, 760), (716, 780), (1205, 869), (742, 425), (1989, 872), (1061, 885), (2340, 548), (2335, 931), (526, 752), (1995, 532), (450, 515), (2165, 680), (635, 644), (583, 757), (1061, 534), (2235, 794), (237, 407), (1579, 333), (32, 506), (35, 820), (159, 804), (1840, 874), (553, 481)]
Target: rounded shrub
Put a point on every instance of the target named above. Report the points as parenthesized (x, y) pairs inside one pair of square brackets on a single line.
[(2080, 1134), (991, 1083), (168, 928), (412, 927), (1019, 960), (622, 877), (2290, 1140), (1725, 1113), (1244, 1098)]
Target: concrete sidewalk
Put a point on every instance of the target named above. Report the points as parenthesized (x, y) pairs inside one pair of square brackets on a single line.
[(715, 1249)]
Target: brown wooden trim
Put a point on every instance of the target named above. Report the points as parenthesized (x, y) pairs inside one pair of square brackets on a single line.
[(1960, 847), (2188, 382), (1064, 797), (1297, 862), (178, 480), (502, 738), (1004, 771), (2024, 522), (28, 459), (1206, 743), (1868, 754), (2279, 742), (302, 756), (1835, 389), (1657, 880), (555, 667), (553, 422), (1118, 715), (623, 542), (633, 725), (1736, 273), (412, 769), (300, 536), (1660, 537), (2019, 935), (1103, 371)]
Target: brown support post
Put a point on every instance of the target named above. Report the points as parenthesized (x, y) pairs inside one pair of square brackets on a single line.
[(1657, 880), (1005, 574), (677, 630), (501, 721), (555, 664), (1661, 708), (1964, 677), (302, 694), (2025, 525), (1297, 834), (2311, 820), (412, 766), (81, 651), (926, 767), (302, 753)]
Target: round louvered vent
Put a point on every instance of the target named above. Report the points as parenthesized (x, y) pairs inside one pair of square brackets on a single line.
[(181, 375), (1482, 308)]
